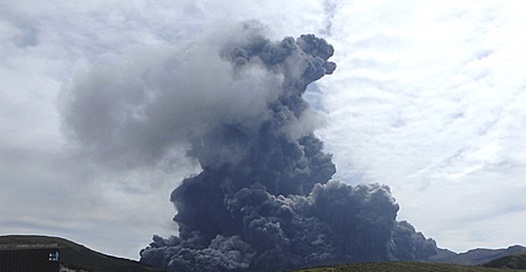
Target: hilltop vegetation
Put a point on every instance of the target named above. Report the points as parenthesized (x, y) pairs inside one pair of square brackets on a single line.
[(479, 256), (77, 256), (515, 261), (80, 257), (404, 267)]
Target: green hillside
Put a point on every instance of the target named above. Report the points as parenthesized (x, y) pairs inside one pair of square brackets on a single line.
[(404, 267), (515, 261), (77, 256)]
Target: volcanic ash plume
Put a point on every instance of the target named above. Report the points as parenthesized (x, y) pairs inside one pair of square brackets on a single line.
[(263, 200)]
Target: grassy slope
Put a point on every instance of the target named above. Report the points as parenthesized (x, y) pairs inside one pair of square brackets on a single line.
[(404, 267), (78, 256), (481, 255), (515, 261)]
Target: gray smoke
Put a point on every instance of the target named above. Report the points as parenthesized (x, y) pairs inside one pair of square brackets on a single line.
[(263, 200)]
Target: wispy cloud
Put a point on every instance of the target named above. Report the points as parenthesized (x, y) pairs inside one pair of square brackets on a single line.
[(427, 102)]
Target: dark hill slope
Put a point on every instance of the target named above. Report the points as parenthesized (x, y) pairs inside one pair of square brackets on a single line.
[(479, 256), (77, 256), (404, 267), (514, 261)]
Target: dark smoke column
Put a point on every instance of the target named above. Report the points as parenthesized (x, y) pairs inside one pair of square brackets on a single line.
[(263, 201)]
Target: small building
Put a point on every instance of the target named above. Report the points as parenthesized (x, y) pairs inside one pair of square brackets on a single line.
[(30, 258)]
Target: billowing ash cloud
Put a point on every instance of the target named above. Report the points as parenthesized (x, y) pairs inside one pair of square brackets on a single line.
[(264, 200)]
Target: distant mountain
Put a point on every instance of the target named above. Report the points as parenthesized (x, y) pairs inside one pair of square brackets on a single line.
[(403, 267), (444, 261), (514, 261), (77, 256), (441, 254), (475, 256)]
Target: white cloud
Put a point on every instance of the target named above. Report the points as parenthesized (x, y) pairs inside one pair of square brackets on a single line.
[(426, 100)]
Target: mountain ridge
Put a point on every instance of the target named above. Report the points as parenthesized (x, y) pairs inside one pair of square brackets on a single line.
[(77, 256), (514, 261), (477, 256), (403, 267)]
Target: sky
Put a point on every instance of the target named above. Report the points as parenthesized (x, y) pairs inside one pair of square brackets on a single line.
[(426, 99)]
